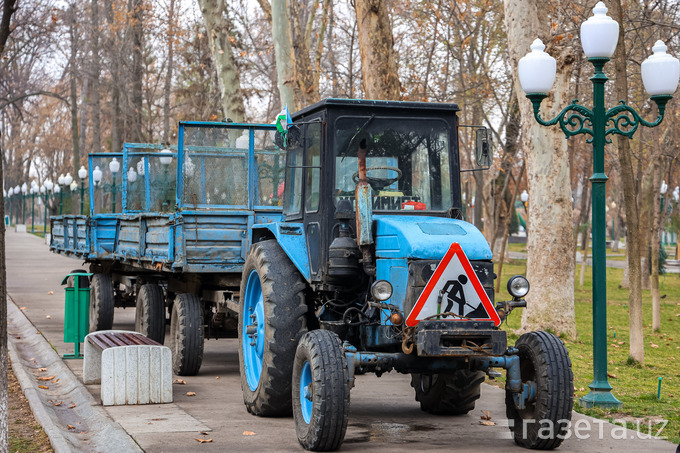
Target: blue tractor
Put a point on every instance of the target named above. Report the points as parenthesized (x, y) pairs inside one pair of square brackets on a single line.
[(372, 269)]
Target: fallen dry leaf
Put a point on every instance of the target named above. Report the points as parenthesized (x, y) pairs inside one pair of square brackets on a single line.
[(621, 342), (581, 389), (72, 406), (614, 345), (48, 317), (611, 375), (179, 381), (217, 377), (42, 369), (204, 433), (47, 378), (654, 345), (248, 433), (486, 423), (55, 381), (203, 441), (22, 308), (191, 393), (50, 293), (70, 427), (158, 419), (18, 337), (43, 387), (486, 415), (58, 403)]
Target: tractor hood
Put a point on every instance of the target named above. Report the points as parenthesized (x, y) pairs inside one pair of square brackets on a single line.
[(424, 237)]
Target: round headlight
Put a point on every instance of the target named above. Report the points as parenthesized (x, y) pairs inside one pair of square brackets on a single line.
[(381, 290), (518, 286)]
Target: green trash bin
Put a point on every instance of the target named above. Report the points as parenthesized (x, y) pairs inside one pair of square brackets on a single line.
[(76, 312)]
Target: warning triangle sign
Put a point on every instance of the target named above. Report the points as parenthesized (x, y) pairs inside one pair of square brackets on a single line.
[(454, 292)]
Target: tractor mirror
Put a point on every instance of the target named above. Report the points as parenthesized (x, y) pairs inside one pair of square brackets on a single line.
[(290, 137), (483, 147)]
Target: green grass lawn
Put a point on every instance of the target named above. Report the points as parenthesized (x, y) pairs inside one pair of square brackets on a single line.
[(635, 385)]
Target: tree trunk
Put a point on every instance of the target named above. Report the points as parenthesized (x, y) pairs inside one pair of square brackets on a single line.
[(655, 243), (136, 10), (306, 90), (633, 236), (168, 77), (73, 73), (283, 50), (8, 9), (550, 263), (113, 44), (376, 47), (584, 257), (95, 69), (219, 33)]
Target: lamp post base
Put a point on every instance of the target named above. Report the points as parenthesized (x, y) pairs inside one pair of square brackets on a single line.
[(603, 399)]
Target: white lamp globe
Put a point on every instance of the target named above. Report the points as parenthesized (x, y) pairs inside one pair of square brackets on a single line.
[(57, 189), (4, 193), (114, 165), (68, 179), (34, 184), (660, 71), (664, 187), (524, 196), (17, 189), (166, 160), (24, 188), (140, 167), (132, 175), (73, 186), (60, 179), (97, 175), (599, 34), (537, 70), (48, 185), (42, 189), (82, 173)]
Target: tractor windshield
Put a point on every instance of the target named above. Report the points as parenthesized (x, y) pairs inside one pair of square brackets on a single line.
[(407, 159)]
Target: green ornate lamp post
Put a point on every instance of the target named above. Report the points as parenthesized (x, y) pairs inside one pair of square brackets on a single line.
[(660, 74), (82, 174), (24, 192)]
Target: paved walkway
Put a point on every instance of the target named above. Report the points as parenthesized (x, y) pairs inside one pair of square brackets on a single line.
[(384, 415)]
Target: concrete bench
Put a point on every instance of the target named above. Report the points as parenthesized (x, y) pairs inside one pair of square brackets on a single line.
[(132, 368)]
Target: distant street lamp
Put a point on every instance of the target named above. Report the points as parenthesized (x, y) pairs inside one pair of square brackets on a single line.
[(46, 189), (24, 191), (114, 166), (660, 75), (82, 174)]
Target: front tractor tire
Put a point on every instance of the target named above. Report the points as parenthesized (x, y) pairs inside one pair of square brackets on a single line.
[(543, 424), (186, 334), (101, 302), (320, 391), (448, 394), (271, 321)]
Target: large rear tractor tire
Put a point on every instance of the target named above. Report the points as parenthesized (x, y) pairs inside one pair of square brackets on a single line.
[(448, 394), (320, 391), (186, 335), (150, 312), (101, 302), (271, 321), (544, 362)]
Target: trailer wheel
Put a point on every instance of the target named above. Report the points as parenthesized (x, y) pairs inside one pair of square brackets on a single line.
[(150, 312), (101, 302), (320, 391), (271, 322), (448, 394), (544, 360), (186, 335)]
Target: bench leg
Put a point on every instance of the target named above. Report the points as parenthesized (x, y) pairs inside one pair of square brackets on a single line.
[(92, 364)]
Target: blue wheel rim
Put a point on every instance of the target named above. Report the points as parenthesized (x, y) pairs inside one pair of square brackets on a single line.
[(252, 331), (306, 400)]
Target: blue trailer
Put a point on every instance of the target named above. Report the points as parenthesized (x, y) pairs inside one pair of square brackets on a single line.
[(332, 247)]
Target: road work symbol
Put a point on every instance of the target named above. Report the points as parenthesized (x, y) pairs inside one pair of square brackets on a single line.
[(453, 293)]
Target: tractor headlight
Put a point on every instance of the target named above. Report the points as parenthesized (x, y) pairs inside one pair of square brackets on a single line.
[(518, 286), (381, 290)]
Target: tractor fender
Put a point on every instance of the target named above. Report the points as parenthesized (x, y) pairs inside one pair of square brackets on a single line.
[(291, 238)]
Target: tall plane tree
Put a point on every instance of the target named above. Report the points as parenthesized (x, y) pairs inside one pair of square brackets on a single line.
[(550, 263)]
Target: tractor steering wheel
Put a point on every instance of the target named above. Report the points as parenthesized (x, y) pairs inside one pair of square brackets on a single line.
[(379, 183)]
